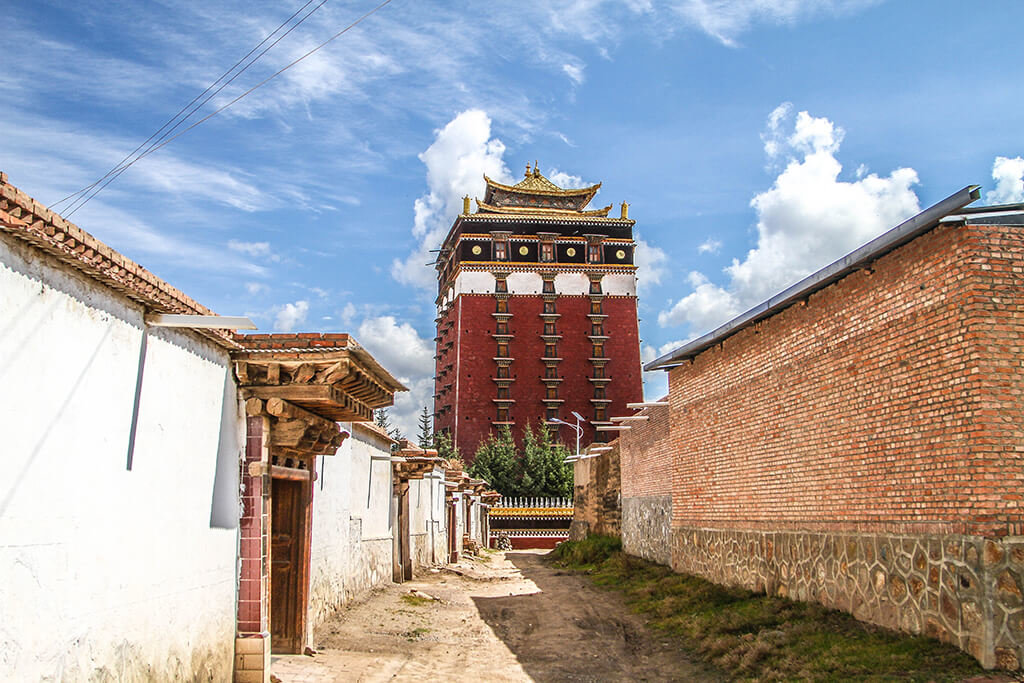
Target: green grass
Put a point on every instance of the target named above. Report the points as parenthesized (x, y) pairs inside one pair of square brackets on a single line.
[(752, 636), (416, 600)]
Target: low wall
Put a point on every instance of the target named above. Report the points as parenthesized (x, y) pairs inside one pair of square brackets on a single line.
[(647, 528), (965, 590)]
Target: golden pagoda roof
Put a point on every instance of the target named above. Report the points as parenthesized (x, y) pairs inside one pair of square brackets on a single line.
[(537, 194)]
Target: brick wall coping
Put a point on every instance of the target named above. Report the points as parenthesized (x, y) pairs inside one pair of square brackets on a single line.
[(24, 218), (906, 231)]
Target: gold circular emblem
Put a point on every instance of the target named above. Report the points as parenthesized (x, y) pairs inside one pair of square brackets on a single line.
[(476, 250), (523, 251), (620, 254), (571, 251)]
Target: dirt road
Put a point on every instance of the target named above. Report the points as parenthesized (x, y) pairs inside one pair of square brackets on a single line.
[(512, 618)]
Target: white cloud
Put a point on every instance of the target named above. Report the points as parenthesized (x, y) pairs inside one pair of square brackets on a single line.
[(291, 316), (407, 356), (254, 288), (709, 246), (254, 249), (807, 219), (348, 314), (650, 264), (462, 152), (574, 72), (567, 181), (726, 20), (1009, 176)]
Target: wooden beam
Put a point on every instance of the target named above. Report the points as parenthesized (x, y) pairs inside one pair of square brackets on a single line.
[(253, 406)]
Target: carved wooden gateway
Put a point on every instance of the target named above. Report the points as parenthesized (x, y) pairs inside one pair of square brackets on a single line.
[(296, 390)]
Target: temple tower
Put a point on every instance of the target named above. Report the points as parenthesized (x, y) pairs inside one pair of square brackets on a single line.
[(537, 313)]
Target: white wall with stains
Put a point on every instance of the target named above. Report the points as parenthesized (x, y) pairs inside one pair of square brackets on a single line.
[(111, 573)]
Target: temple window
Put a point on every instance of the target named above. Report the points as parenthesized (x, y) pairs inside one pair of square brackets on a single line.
[(594, 253), (549, 287), (501, 250), (547, 251)]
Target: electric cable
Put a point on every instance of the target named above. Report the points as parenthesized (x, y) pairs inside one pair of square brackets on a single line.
[(163, 140), (196, 98)]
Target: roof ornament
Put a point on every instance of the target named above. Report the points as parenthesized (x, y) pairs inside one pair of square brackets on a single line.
[(465, 205), (625, 210), (527, 170), (535, 171)]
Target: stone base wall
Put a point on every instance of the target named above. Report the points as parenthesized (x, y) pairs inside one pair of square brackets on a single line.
[(647, 528), (368, 565), (965, 590), (422, 548)]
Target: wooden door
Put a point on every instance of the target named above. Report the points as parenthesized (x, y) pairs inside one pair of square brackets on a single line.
[(287, 555), (453, 540)]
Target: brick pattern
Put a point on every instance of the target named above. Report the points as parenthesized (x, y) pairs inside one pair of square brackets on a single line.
[(465, 367), (647, 455), (254, 543), (298, 341), (28, 220), (889, 401)]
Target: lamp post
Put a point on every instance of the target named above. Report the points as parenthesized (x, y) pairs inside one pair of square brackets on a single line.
[(578, 427)]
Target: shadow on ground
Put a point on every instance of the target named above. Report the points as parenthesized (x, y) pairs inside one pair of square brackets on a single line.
[(571, 631)]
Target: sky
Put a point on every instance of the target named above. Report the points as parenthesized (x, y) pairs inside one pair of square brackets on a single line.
[(755, 140)]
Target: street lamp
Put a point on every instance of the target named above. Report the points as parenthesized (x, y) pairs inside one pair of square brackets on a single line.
[(577, 427)]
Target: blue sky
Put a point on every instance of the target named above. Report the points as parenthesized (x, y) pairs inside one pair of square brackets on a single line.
[(756, 140)]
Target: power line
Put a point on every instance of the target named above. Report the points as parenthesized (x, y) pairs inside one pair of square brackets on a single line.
[(161, 142), (195, 99)]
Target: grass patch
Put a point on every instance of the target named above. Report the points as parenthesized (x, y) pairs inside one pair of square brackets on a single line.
[(416, 600), (415, 634), (752, 636)]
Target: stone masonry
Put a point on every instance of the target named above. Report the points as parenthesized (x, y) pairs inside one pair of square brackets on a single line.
[(964, 590)]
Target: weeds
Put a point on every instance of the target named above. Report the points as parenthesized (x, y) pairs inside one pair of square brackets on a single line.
[(752, 636), (416, 600)]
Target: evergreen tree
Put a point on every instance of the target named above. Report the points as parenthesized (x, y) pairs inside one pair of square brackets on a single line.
[(383, 420), (426, 438), (496, 461), (537, 469), (447, 450)]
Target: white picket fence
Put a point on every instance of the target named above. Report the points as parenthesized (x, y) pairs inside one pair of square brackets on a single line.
[(529, 502)]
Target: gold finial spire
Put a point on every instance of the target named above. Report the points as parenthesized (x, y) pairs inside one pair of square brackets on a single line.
[(465, 205), (527, 169), (625, 210), (535, 171)]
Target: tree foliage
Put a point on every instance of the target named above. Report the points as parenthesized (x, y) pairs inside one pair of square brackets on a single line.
[(426, 436), (537, 469), (447, 450), (383, 420)]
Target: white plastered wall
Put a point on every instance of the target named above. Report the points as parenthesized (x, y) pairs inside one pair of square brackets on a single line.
[(473, 282), (525, 283), (619, 284), (111, 574), (352, 533), (572, 284), (426, 517)]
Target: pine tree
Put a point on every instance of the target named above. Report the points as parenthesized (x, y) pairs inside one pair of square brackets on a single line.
[(497, 462), (383, 420), (447, 450), (426, 438)]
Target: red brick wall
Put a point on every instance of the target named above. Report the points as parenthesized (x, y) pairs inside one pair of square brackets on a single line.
[(474, 349), (890, 401), (646, 455)]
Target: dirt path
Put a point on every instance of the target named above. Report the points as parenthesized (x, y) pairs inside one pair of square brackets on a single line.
[(514, 618)]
